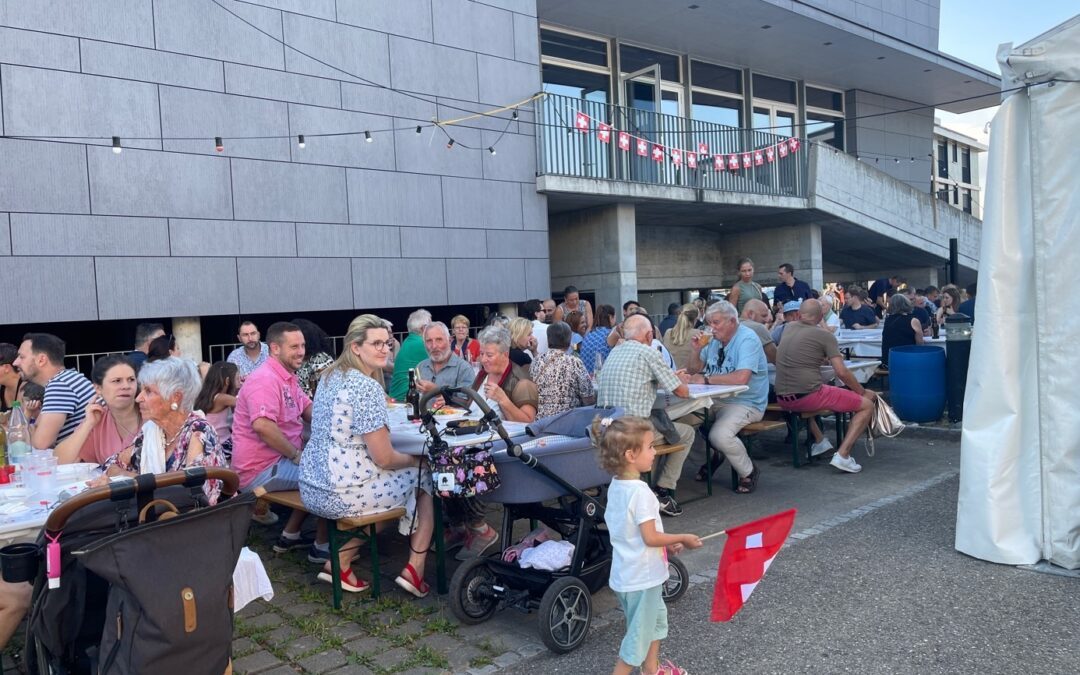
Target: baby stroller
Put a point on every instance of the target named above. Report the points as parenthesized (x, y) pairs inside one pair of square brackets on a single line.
[(558, 472), (145, 578)]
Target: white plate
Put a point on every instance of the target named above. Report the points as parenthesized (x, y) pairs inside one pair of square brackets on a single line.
[(8, 493)]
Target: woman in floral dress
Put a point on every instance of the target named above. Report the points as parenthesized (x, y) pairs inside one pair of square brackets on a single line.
[(349, 468)]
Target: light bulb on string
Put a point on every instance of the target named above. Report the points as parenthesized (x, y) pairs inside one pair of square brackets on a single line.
[(218, 145), (491, 149), (300, 142), (514, 115), (450, 144), (367, 137), (419, 129), (116, 145)]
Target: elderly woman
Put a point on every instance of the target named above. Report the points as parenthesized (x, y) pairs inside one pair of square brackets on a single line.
[(595, 343), (460, 343), (112, 419), (901, 328), (503, 382), (561, 379), (174, 436), (350, 469), (576, 322), (522, 342), (679, 340)]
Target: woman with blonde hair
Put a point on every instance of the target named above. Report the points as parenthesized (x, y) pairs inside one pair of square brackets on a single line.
[(678, 340), (522, 342), (460, 342), (349, 468)]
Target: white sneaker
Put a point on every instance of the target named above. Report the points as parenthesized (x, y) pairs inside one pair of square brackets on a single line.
[(820, 448), (845, 463)]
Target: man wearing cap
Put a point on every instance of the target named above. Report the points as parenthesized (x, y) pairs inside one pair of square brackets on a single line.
[(791, 313)]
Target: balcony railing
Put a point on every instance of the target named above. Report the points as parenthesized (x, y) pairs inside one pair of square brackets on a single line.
[(564, 149)]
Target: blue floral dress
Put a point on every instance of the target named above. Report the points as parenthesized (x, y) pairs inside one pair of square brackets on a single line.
[(338, 478)]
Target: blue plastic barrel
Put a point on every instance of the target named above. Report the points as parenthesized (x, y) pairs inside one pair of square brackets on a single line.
[(917, 382)]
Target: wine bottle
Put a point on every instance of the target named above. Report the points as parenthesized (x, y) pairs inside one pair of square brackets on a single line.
[(412, 397)]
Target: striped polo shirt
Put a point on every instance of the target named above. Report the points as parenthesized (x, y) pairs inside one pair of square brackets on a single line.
[(68, 392)]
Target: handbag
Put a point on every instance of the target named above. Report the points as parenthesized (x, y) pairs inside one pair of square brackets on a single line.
[(463, 471), (883, 422)]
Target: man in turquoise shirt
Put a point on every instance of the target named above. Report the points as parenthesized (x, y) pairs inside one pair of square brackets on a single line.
[(733, 356), (410, 355)]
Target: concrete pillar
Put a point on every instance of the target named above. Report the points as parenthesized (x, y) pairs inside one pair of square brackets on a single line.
[(509, 309), (596, 250), (188, 333), (799, 245)]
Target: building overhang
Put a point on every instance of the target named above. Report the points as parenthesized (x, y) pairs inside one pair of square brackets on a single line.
[(793, 45)]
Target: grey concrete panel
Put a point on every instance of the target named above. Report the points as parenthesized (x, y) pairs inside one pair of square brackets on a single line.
[(537, 278), (517, 244), (380, 101), (360, 53), (40, 176), (131, 288), (503, 81), (490, 281), (388, 198), (56, 234), (296, 192), (5, 235), (125, 21), (204, 29), (281, 86), (514, 158), (481, 204), (63, 290), (188, 113), (231, 238), (526, 39), (352, 151), (330, 240), (427, 152), (527, 7), (144, 183), (323, 9), (294, 284), (151, 65), (399, 282), (433, 69), (29, 48), (40, 102), (474, 26), (410, 18), (423, 242), (534, 214)]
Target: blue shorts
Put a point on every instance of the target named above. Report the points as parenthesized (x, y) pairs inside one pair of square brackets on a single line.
[(646, 622), (281, 476)]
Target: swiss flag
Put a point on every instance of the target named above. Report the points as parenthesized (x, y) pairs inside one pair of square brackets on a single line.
[(733, 162), (781, 150), (624, 141), (793, 143), (747, 160), (691, 160), (642, 147), (759, 158), (603, 131), (748, 552), (770, 154), (718, 162), (658, 152), (703, 148), (581, 121), (676, 157)]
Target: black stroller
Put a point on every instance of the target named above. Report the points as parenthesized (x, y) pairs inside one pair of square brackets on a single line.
[(531, 490), (145, 581)]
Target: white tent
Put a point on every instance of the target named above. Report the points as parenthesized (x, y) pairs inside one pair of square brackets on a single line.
[(1020, 451)]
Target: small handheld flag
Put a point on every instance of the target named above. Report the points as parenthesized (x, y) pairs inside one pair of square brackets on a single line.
[(748, 552)]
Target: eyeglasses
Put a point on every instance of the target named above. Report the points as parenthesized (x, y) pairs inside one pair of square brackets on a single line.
[(380, 344)]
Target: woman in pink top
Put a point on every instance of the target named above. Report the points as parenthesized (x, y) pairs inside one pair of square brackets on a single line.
[(112, 418)]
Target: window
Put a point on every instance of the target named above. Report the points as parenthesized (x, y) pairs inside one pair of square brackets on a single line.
[(954, 152), (774, 121), (774, 89), (575, 83), (955, 195), (718, 78), (824, 99), (942, 159), (967, 201), (965, 165), (825, 129), (716, 109), (569, 47), (633, 58)]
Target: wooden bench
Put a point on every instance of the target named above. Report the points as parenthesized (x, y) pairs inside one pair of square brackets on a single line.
[(796, 419), (364, 527), (662, 450)]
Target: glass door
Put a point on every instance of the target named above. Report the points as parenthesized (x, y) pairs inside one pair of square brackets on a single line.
[(641, 100)]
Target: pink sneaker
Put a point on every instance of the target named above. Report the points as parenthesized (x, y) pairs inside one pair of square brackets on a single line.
[(669, 668), (477, 542)]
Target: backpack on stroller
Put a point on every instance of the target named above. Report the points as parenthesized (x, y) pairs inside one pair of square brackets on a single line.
[(145, 580)]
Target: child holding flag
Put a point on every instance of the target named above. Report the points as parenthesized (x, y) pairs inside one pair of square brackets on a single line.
[(639, 565)]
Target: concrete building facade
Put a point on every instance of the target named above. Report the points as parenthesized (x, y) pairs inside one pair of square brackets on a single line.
[(957, 177)]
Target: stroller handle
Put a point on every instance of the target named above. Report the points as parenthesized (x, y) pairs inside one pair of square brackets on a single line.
[(490, 416), (147, 482)]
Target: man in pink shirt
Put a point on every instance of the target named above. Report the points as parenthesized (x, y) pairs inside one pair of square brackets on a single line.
[(268, 427)]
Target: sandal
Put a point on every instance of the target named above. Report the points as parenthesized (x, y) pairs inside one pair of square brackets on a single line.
[(349, 581), (703, 471), (747, 485), (413, 584)]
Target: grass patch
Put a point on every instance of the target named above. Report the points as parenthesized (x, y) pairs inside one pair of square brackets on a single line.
[(441, 625)]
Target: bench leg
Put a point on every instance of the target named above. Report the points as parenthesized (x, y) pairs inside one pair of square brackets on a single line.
[(795, 419), (373, 541), (440, 548), (335, 562)]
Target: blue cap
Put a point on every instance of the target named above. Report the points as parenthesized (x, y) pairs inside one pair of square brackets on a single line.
[(792, 306)]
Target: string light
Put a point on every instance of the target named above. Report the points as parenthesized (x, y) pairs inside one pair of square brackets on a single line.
[(419, 129), (218, 145), (450, 144), (367, 137), (491, 149), (300, 141), (116, 145), (514, 115)]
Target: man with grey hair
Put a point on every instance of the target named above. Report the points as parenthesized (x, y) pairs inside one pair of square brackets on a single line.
[(442, 367), (410, 354), (631, 375), (733, 356)]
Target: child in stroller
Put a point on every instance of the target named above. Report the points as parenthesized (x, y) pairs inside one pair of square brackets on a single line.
[(639, 567)]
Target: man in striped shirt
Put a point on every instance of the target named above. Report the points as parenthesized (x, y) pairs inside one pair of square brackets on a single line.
[(67, 392)]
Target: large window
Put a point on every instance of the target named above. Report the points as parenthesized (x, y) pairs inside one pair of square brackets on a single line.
[(571, 47), (942, 159), (825, 116), (774, 89), (965, 165), (632, 59), (967, 201), (715, 78), (716, 109), (716, 94), (576, 83)]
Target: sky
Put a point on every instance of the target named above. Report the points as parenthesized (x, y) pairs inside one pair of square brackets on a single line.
[(971, 30)]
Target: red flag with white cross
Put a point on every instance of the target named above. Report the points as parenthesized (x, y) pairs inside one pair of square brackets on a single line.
[(603, 132), (581, 121), (747, 160), (642, 147), (759, 158), (770, 154), (781, 149), (624, 141), (676, 157), (703, 148), (733, 162), (718, 162), (748, 552), (658, 152), (691, 160), (793, 144)]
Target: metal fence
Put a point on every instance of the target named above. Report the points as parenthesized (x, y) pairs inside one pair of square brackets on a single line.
[(564, 149)]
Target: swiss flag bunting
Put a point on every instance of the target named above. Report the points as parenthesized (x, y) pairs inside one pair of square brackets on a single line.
[(642, 147), (658, 152), (691, 160), (781, 150), (718, 162), (624, 141), (603, 132), (581, 121), (703, 148), (733, 162), (748, 552), (747, 160), (793, 143), (676, 157), (759, 158), (770, 154)]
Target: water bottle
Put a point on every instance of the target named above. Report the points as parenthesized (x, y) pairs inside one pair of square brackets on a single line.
[(18, 435), (598, 363)]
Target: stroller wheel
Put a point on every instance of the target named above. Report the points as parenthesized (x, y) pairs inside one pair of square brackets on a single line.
[(471, 596), (678, 580), (565, 614)]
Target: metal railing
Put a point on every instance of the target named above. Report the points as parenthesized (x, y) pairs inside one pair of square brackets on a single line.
[(84, 363), (564, 150)]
